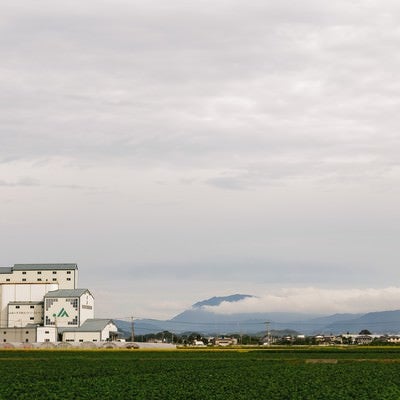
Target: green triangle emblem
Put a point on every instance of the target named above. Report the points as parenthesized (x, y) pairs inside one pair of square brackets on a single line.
[(62, 313)]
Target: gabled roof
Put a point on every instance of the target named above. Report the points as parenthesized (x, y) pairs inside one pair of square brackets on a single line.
[(90, 325), (95, 324), (67, 293), (35, 267)]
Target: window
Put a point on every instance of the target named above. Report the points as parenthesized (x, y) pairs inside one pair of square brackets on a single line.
[(23, 280), (54, 272), (68, 272), (54, 279), (5, 332), (8, 280), (68, 279), (49, 303), (47, 332), (16, 306), (81, 340), (39, 272), (74, 303), (32, 306), (23, 272), (32, 318), (74, 321), (26, 340), (47, 340), (26, 332), (39, 279)]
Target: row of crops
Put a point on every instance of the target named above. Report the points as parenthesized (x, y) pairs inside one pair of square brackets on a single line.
[(229, 374)]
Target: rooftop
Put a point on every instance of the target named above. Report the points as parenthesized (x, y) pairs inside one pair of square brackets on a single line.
[(35, 267), (67, 293), (90, 325), (5, 270)]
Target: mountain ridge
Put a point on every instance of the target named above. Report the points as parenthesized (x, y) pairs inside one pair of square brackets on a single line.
[(199, 318), (217, 300)]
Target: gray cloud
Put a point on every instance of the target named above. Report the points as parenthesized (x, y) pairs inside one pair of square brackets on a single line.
[(291, 109), (141, 81), (26, 181)]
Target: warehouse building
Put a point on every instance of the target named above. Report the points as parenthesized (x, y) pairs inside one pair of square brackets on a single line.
[(41, 303), (92, 330)]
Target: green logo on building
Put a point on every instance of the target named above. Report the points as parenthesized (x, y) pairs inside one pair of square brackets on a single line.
[(62, 313)]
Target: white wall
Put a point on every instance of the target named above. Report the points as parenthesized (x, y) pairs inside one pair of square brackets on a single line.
[(105, 333), (81, 337), (46, 334), (21, 292), (18, 335), (86, 307), (20, 315)]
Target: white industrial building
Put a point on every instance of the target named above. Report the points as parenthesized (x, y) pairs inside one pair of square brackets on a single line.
[(68, 307), (94, 330), (41, 303)]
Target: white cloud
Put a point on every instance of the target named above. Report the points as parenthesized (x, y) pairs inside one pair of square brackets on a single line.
[(316, 300)]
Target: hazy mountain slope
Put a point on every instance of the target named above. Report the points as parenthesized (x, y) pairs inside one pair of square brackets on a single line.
[(375, 322), (200, 318)]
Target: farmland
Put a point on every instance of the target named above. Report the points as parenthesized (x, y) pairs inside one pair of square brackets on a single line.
[(308, 373)]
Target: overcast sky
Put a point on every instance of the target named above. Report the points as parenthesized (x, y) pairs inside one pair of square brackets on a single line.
[(178, 150)]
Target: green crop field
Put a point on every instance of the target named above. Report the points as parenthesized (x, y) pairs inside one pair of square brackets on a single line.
[(330, 373)]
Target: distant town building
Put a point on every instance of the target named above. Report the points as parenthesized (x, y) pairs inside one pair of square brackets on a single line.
[(224, 341), (393, 339)]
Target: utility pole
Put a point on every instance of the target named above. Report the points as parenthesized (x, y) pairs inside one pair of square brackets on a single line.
[(132, 330)]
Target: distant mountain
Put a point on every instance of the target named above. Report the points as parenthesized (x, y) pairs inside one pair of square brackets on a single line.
[(201, 319), (376, 322), (325, 324), (331, 319), (216, 301)]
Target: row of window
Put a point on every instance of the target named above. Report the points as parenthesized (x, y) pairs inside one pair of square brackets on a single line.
[(38, 279), (72, 322), (40, 272), (29, 307)]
